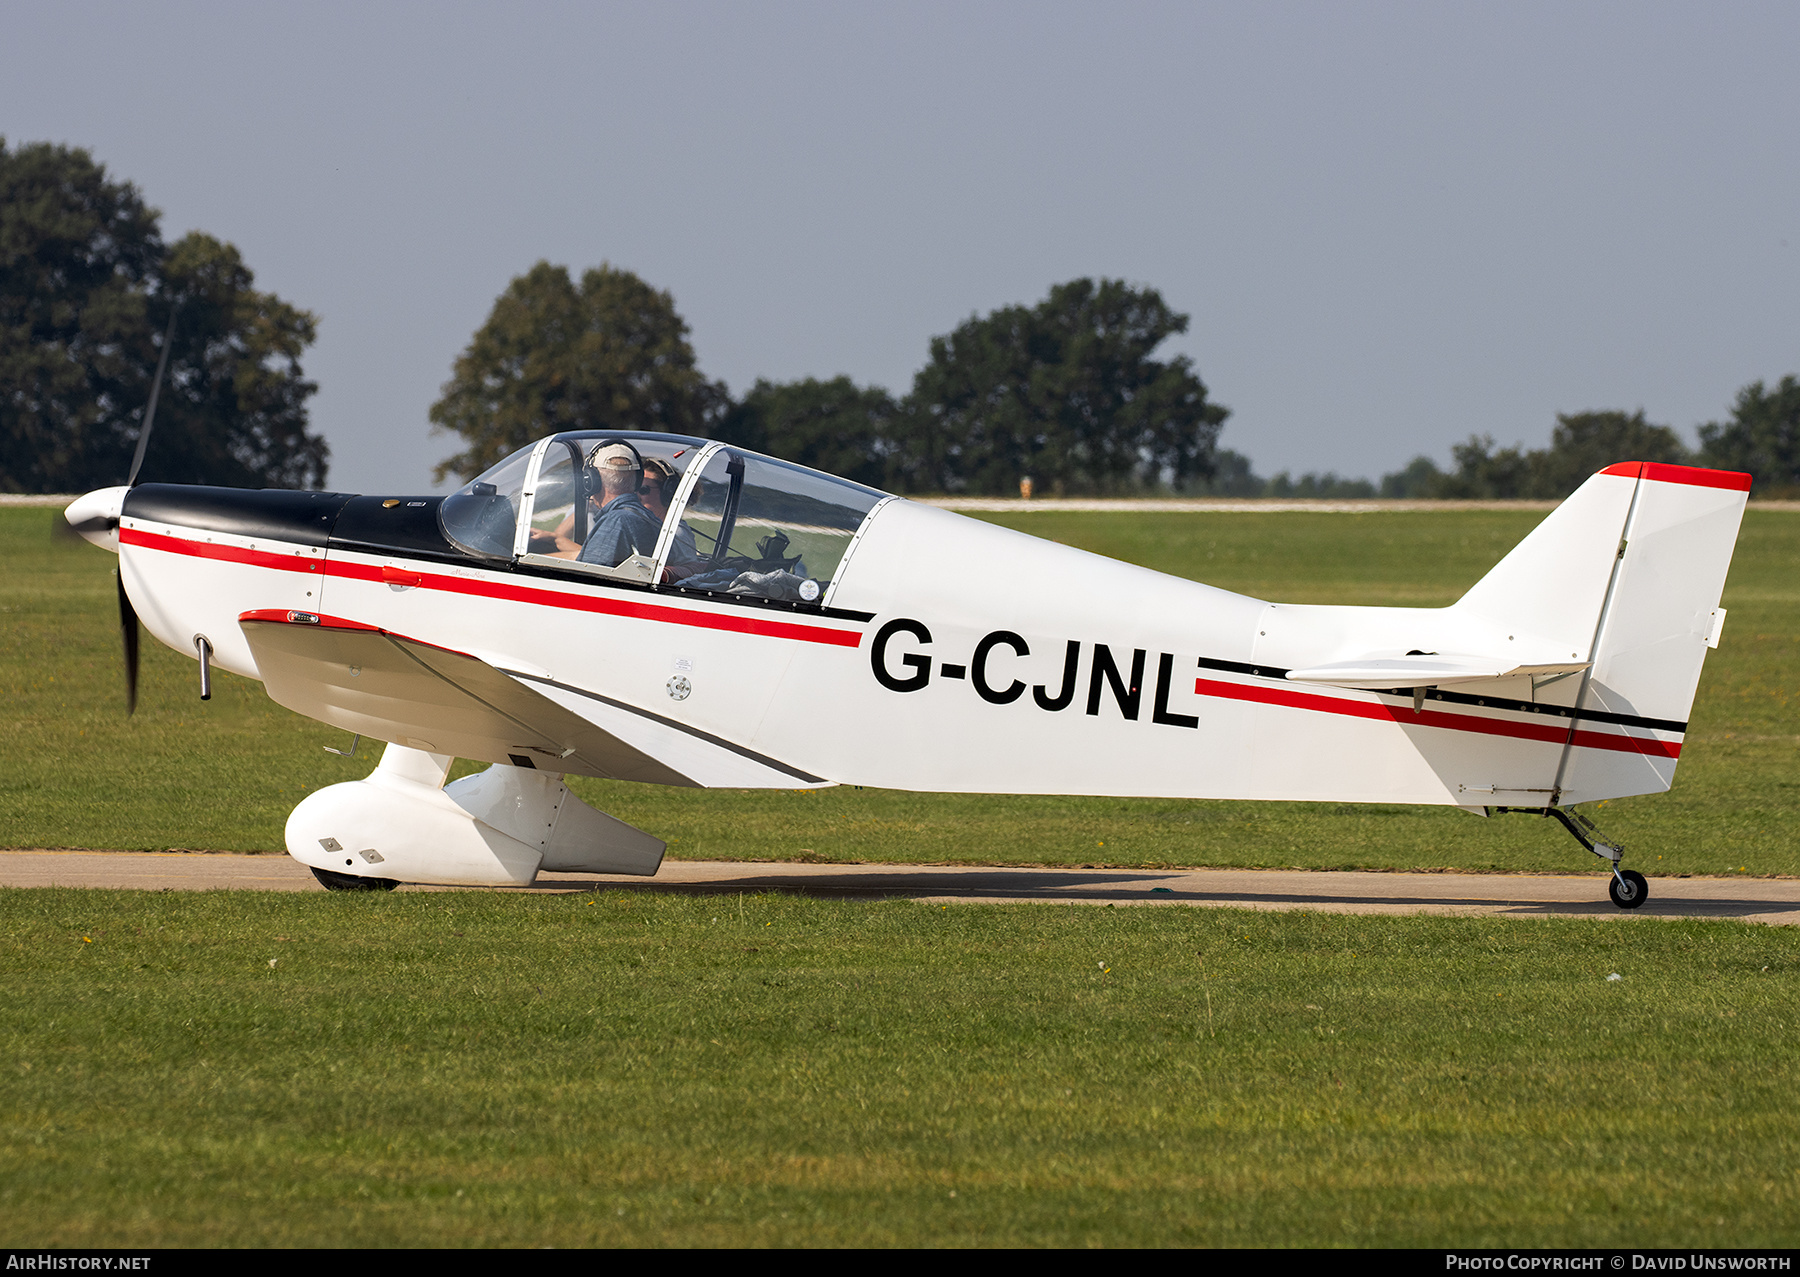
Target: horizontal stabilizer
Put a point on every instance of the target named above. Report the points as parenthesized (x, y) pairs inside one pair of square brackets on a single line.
[(1424, 670)]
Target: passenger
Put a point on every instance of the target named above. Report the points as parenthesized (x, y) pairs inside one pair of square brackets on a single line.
[(624, 527), (661, 479)]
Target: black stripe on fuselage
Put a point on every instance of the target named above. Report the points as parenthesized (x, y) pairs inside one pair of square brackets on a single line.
[(1465, 698)]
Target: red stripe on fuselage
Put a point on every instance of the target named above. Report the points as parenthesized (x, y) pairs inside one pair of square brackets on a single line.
[(630, 608), (289, 562), (1378, 711), (505, 590)]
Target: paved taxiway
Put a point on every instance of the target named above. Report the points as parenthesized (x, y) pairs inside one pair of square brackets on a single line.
[(1768, 900)]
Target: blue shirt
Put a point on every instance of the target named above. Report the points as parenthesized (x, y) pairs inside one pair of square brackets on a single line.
[(624, 528)]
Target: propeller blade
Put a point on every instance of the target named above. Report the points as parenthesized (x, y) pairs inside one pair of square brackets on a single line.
[(137, 459), (128, 630)]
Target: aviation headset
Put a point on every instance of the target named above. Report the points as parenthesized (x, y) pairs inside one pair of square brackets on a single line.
[(667, 478), (590, 474)]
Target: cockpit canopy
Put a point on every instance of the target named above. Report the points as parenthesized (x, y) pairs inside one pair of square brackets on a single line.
[(690, 513)]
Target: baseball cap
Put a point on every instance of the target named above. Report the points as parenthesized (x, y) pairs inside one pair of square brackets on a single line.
[(613, 456)]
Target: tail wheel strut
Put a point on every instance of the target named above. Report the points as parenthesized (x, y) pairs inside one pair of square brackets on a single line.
[(1628, 888)]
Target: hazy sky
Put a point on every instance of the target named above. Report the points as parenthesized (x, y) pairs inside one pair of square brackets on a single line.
[(1394, 225)]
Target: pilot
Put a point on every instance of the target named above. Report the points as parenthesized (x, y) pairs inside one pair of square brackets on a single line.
[(624, 526)]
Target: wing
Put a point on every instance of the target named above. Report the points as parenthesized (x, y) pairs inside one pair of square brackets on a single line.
[(394, 688)]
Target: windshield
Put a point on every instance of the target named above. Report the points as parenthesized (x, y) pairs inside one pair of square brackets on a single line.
[(482, 515)]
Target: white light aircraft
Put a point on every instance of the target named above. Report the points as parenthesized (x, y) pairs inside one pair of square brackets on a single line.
[(756, 624)]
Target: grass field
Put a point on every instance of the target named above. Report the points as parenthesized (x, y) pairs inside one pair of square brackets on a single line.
[(222, 776), (476, 1069), (473, 1069)]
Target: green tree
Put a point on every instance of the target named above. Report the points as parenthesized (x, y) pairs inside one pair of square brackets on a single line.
[(77, 256), (233, 405), (1234, 476), (1329, 485), (611, 354), (1585, 443), (834, 426), (1582, 444), (1420, 478), (1762, 437), (1480, 472), (86, 289), (1066, 392)]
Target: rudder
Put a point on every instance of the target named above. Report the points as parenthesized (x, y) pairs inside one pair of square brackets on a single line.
[(1660, 614)]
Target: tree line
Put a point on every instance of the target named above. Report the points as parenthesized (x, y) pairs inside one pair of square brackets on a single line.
[(1068, 392), (1761, 437)]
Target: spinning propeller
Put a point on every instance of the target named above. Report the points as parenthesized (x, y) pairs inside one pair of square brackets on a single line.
[(128, 617)]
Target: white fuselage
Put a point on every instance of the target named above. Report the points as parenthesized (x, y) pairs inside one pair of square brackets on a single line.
[(954, 656)]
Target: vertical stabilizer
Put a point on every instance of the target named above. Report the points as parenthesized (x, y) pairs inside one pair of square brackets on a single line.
[(1659, 618), (1550, 589)]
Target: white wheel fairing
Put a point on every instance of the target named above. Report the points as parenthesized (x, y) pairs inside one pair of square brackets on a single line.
[(495, 828)]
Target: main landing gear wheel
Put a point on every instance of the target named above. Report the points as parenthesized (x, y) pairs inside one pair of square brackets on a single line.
[(350, 882), (1628, 889)]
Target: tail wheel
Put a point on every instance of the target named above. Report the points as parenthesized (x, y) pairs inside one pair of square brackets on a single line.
[(350, 882), (1628, 889)]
